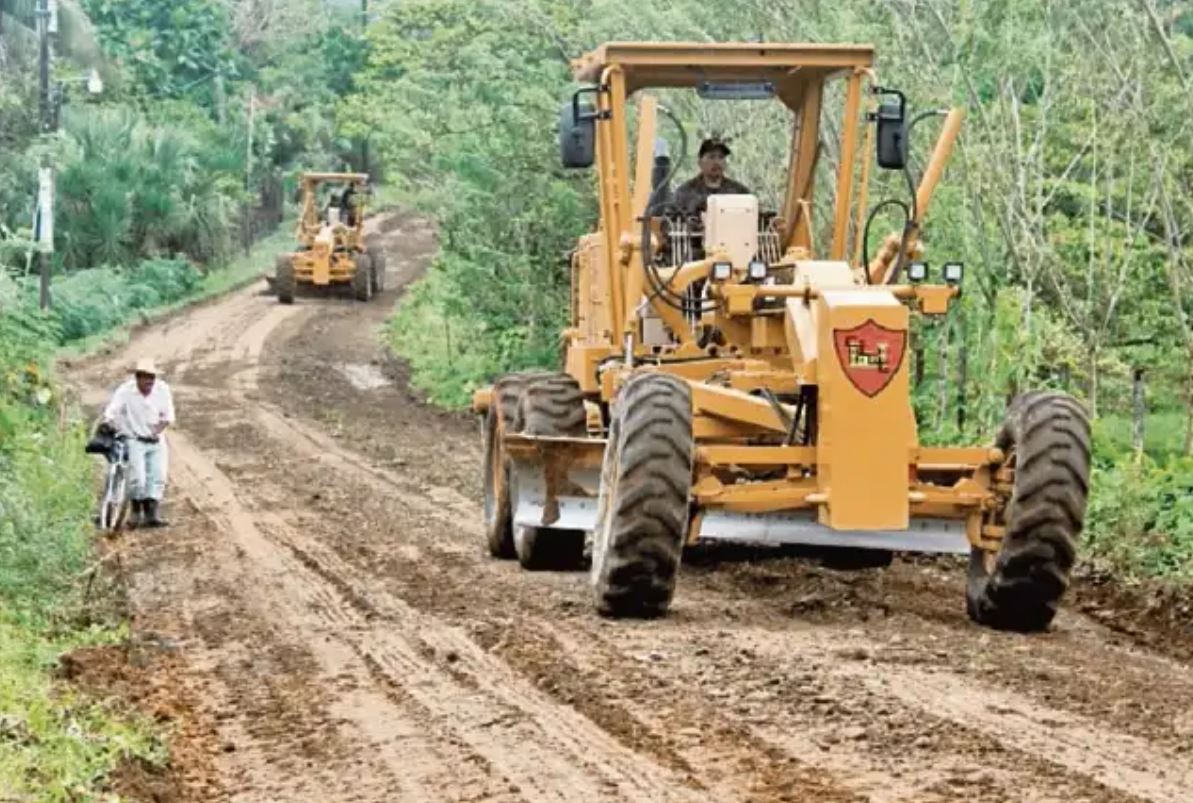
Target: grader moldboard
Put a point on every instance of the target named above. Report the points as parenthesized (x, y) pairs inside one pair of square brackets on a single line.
[(332, 247), (728, 379)]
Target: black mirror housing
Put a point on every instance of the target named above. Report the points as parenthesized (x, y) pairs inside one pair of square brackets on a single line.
[(577, 135), (892, 136)]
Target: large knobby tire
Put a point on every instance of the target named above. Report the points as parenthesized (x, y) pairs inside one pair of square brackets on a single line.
[(362, 278), (377, 255), (502, 417), (551, 406), (643, 510), (1046, 436), (283, 278)]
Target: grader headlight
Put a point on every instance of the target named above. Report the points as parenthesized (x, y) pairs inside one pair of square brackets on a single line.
[(721, 271), (917, 272), (757, 270), (953, 273)]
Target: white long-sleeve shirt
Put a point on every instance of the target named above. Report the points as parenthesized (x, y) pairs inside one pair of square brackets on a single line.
[(137, 415)]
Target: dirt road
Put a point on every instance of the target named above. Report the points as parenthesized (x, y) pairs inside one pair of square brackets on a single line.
[(338, 633)]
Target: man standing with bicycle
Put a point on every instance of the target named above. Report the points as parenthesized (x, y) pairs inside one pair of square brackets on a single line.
[(141, 409)]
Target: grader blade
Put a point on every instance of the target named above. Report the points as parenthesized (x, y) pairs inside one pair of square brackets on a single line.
[(554, 481), (800, 527)]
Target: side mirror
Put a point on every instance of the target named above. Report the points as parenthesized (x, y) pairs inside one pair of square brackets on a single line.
[(577, 134), (892, 134)]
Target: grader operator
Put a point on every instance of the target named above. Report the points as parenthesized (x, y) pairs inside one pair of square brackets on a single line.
[(744, 376)]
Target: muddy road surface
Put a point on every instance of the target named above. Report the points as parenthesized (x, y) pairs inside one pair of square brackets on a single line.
[(339, 633)]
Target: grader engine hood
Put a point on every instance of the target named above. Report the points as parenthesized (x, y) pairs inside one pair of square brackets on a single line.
[(321, 253), (866, 426)]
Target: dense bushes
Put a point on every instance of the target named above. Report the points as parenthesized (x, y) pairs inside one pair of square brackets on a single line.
[(130, 188), (93, 301), (1141, 518)]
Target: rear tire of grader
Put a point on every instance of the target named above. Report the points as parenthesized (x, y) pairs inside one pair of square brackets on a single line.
[(643, 510), (551, 406), (377, 255), (283, 278), (502, 417), (1046, 438), (362, 278)]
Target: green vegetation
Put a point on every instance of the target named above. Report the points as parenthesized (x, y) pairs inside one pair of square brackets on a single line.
[(1068, 199), (52, 744), (58, 746)]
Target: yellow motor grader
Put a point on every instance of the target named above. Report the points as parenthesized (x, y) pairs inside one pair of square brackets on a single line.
[(734, 377), (332, 247)]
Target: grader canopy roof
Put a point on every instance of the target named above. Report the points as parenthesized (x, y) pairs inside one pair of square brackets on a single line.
[(688, 64), (345, 178)]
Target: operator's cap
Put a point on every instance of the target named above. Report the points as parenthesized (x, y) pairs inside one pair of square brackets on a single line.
[(145, 365), (714, 144)]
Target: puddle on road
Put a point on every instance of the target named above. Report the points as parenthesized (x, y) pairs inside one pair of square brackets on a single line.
[(364, 376)]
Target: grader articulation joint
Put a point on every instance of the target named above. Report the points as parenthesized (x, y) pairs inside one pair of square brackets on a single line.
[(735, 377)]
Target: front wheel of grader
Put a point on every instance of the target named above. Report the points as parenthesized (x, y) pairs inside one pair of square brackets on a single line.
[(283, 278), (1046, 439), (643, 506), (551, 406), (502, 417)]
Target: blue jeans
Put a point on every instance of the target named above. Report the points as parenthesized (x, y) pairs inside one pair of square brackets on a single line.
[(147, 469)]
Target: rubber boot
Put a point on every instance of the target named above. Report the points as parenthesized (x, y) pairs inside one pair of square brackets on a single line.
[(135, 519), (152, 519)]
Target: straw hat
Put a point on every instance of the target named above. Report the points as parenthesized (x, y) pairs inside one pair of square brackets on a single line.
[(145, 365)]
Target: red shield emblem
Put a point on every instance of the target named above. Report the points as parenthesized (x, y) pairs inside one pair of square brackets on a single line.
[(870, 355)]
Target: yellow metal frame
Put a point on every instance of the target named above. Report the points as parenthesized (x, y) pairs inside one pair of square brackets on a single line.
[(327, 255), (865, 469)]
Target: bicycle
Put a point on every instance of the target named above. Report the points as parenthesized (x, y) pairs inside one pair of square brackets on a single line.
[(114, 504)]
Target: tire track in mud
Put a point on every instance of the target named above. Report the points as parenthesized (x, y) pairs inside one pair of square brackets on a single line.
[(879, 772), (384, 749), (547, 752), (1125, 763)]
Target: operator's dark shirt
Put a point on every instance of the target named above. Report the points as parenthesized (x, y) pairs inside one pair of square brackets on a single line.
[(692, 196)]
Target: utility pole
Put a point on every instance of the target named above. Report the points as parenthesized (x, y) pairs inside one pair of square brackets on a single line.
[(45, 196), (364, 30), (246, 239)]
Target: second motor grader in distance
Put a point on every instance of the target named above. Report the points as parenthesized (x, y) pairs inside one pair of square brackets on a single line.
[(332, 246), (737, 378)]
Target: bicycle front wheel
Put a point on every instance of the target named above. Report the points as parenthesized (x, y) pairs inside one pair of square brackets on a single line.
[(113, 510)]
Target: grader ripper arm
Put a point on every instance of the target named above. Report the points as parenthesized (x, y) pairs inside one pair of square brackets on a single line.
[(775, 380)]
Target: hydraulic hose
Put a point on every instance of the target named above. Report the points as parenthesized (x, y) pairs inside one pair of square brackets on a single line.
[(907, 222)]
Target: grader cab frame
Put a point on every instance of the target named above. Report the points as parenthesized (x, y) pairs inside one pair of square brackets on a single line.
[(332, 247), (762, 394)]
